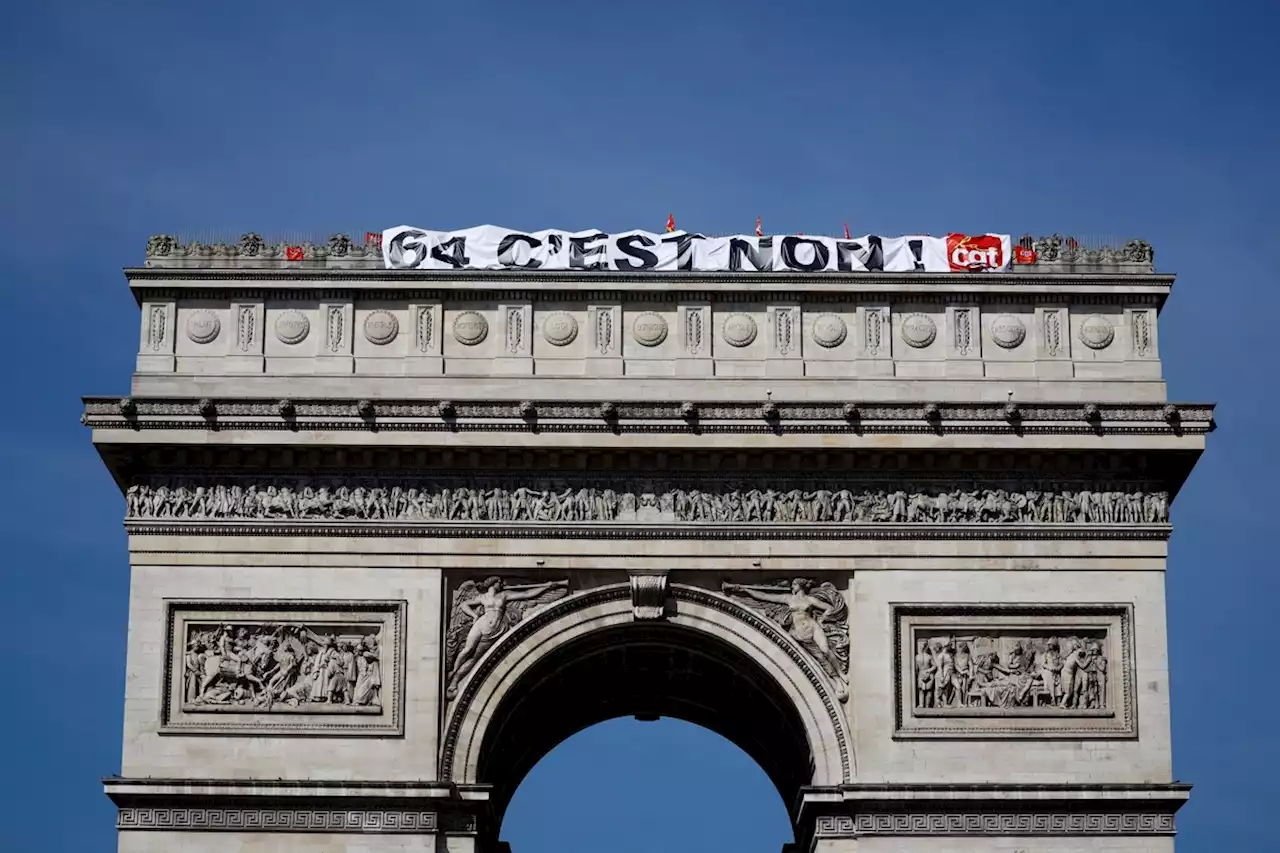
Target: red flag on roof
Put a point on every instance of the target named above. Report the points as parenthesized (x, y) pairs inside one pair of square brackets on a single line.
[(759, 230), (846, 231), (293, 253), (372, 237), (671, 222)]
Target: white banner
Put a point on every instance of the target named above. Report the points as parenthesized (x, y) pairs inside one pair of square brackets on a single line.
[(488, 247)]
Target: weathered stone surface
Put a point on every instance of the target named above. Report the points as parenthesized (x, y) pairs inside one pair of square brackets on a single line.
[(393, 536)]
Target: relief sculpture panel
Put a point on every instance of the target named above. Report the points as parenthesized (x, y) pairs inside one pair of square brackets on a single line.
[(999, 671), (299, 667), (482, 613), (814, 614), (559, 501)]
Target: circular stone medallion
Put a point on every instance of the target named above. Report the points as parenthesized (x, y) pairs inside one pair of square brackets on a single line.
[(470, 328), (203, 326), (919, 330), (292, 327), (1008, 331), (1097, 332), (559, 328), (739, 330), (381, 327), (649, 329), (829, 330)]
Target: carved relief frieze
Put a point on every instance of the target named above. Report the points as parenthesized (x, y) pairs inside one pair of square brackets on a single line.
[(247, 328), (257, 667), (1008, 331), (157, 327), (814, 614), (739, 330), (482, 613), (875, 343), (424, 329), (576, 501), (559, 328), (604, 323), (1014, 670), (335, 328)]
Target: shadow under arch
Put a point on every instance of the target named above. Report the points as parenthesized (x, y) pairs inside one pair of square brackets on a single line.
[(586, 659)]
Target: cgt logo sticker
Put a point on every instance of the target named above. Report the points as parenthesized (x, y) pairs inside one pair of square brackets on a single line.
[(982, 252)]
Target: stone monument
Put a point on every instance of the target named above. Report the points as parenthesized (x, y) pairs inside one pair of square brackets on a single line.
[(395, 534)]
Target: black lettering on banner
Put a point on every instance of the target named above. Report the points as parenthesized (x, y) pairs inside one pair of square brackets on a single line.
[(556, 242), (452, 252), (917, 249), (507, 251), (648, 260), (791, 259), (407, 249), (684, 249), (871, 256), (761, 257), (580, 253)]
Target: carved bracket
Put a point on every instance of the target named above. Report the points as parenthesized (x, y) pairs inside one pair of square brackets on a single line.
[(649, 595)]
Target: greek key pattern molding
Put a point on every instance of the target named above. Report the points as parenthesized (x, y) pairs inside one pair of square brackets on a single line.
[(248, 819), (995, 823)]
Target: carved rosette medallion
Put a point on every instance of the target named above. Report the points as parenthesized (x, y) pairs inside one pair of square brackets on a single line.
[(1096, 332), (919, 330), (560, 329), (739, 330), (470, 328), (203, 326), (292, 327), (649, 329), (829, 331), (1008, 331), (381, 327)]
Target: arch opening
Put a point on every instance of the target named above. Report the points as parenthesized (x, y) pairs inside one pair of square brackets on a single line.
[(624, 785), (644, 670)]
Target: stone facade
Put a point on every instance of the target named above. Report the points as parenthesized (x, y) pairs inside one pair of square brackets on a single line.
[(901, 537)]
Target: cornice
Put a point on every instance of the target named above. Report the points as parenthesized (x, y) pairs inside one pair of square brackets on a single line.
[(1165, 419)]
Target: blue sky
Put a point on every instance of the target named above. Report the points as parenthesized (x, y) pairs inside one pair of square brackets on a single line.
[(1158, 120)]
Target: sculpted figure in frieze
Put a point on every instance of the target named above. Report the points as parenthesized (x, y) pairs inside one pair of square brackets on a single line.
[(568, 503), (814, 614), (282, 667), (1000, 672), (482, 613)]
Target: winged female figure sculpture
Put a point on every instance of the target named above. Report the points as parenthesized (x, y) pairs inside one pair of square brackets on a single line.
[(815, 615), (482, 613)]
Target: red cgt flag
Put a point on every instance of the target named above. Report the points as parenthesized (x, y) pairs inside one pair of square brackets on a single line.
[(846, 231), (759, 229), (293, 253), (372, 238), (671, 222)]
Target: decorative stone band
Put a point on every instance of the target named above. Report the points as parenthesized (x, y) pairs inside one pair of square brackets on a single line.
[(638, 417), (285, 820), (1028, 823)]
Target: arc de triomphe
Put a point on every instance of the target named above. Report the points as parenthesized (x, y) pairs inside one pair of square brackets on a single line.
[(396, 534)]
